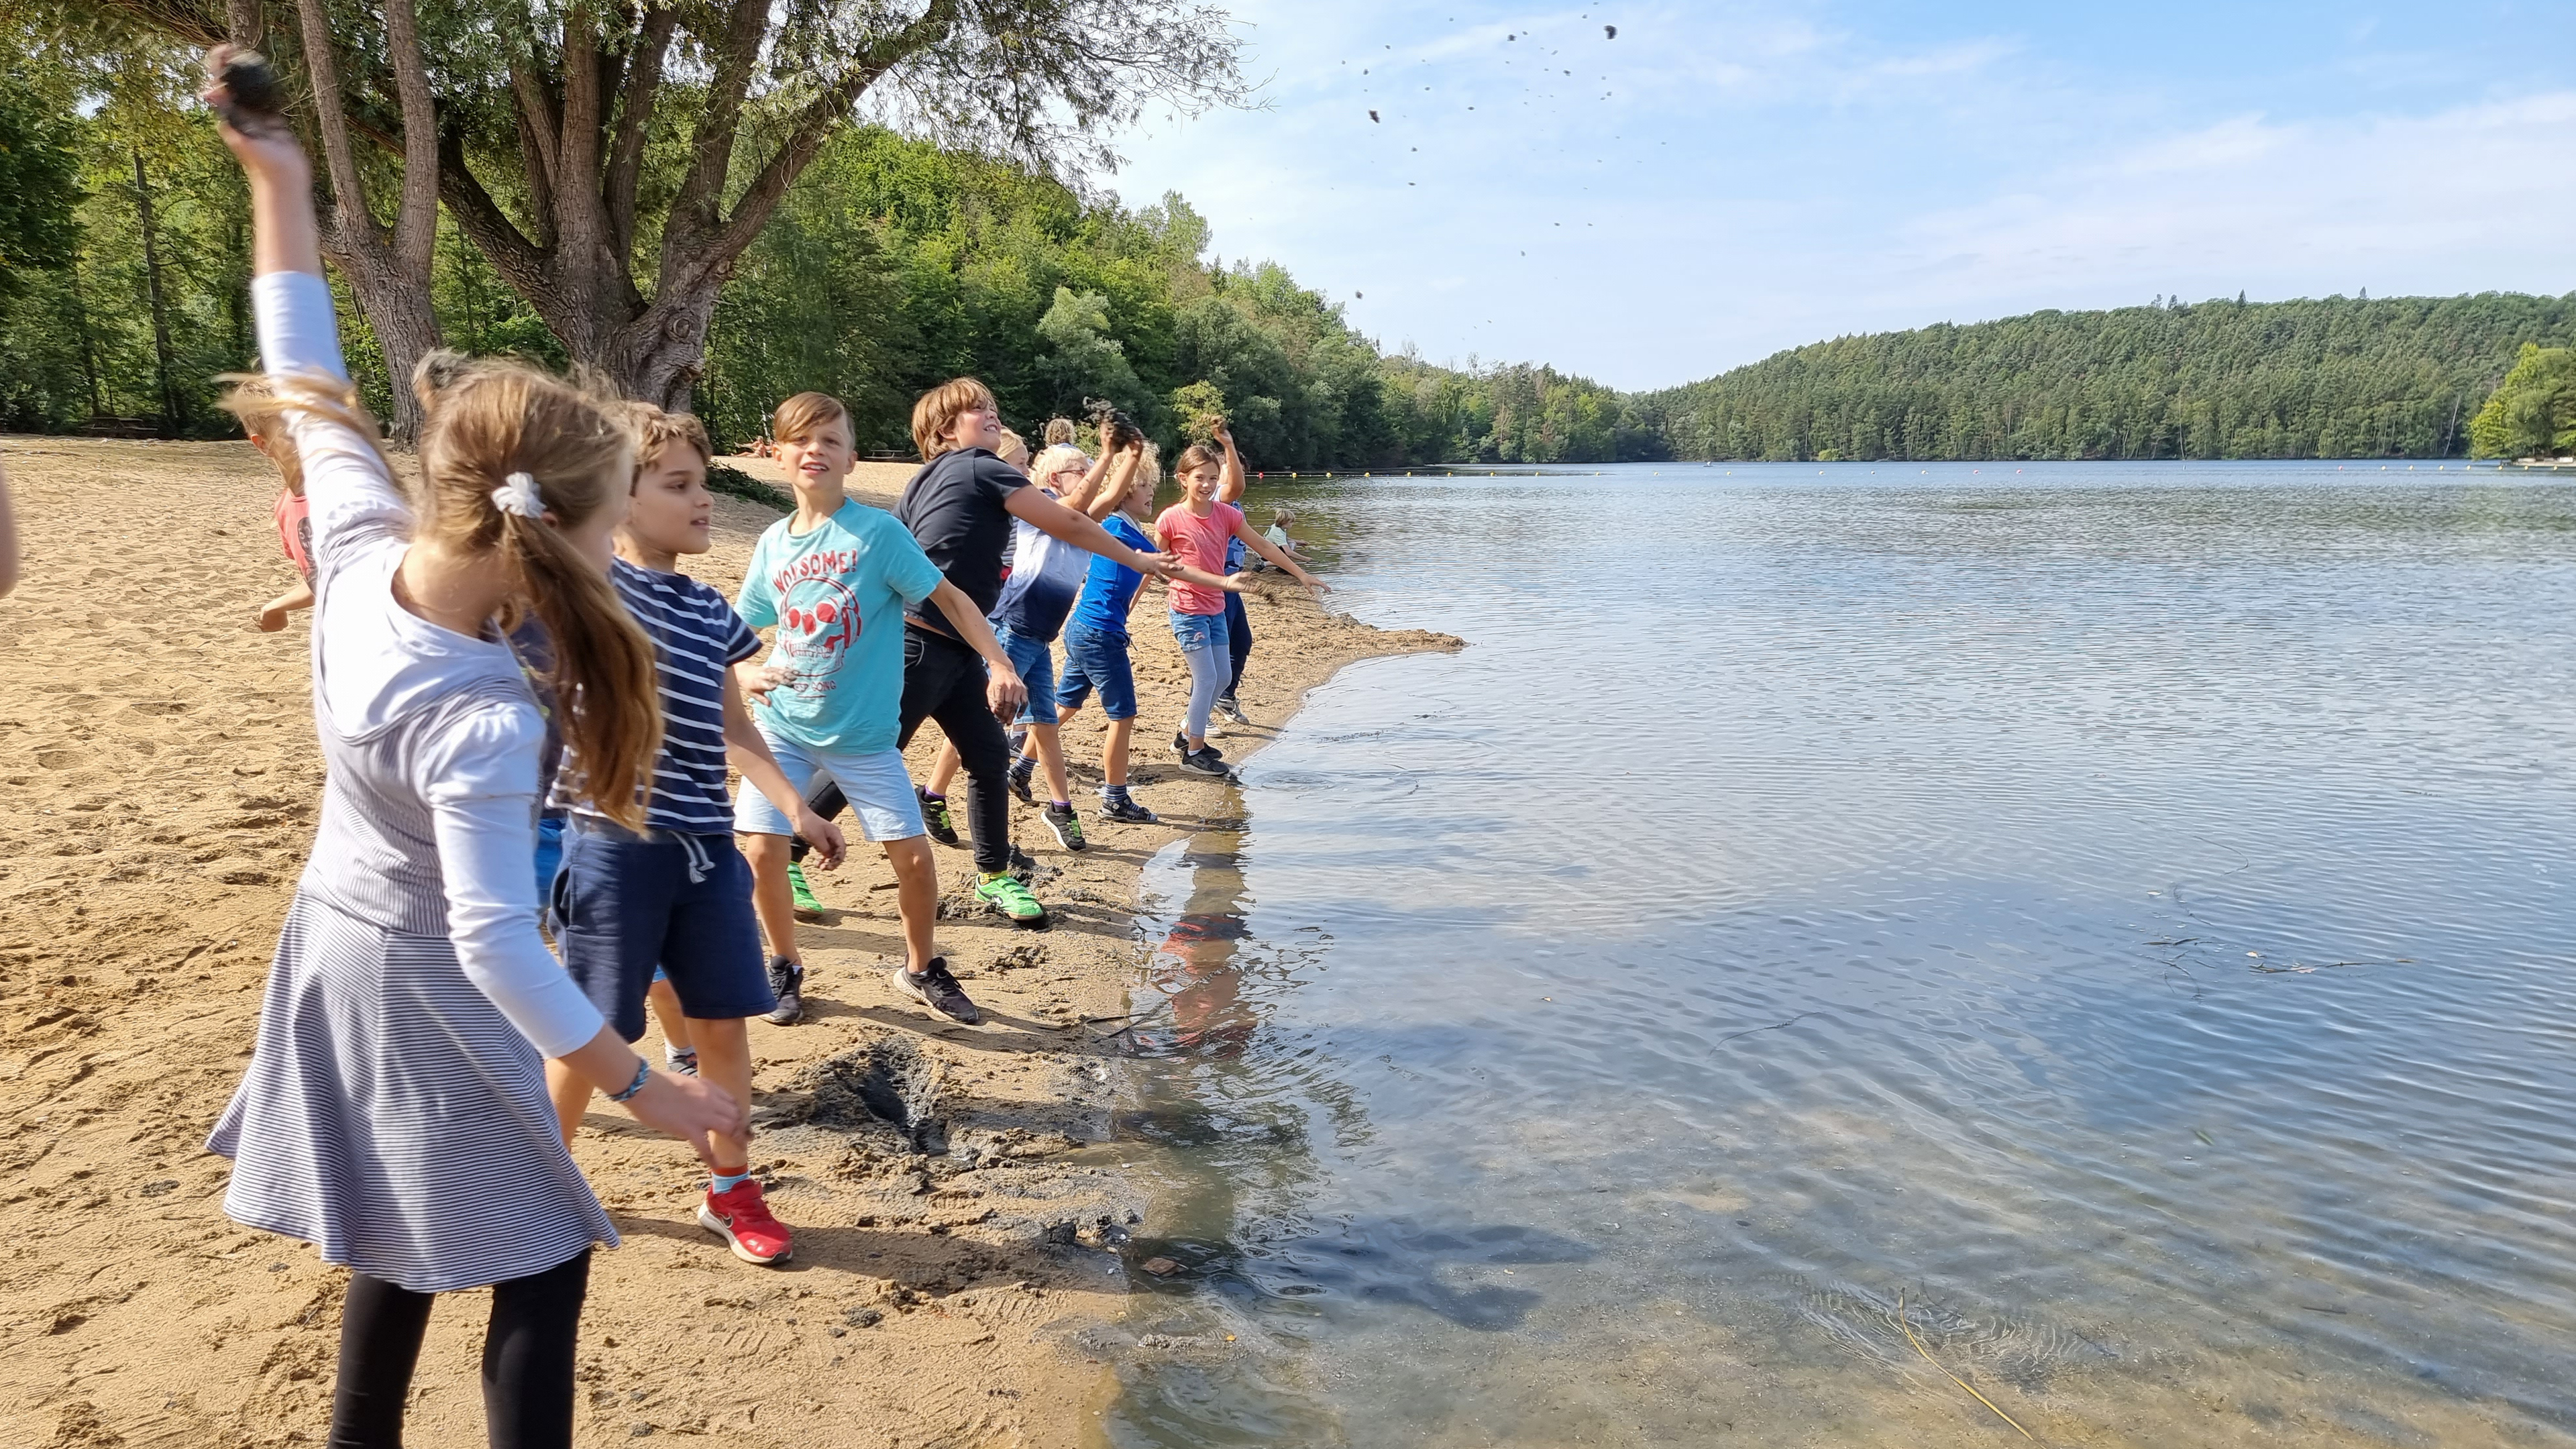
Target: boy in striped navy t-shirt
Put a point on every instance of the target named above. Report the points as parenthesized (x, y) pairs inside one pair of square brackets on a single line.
[(678, 897)]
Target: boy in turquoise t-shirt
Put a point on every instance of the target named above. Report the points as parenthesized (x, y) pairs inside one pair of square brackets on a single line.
[(834, 578)]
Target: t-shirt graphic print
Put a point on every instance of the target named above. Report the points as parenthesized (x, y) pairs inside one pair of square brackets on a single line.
[(836, 595)]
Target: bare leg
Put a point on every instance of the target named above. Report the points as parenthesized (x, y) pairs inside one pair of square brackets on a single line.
[(771, 900), (943, 771), (724, 1058), (666, 1010), (916, 877), (1050, 747), (1113, 755)]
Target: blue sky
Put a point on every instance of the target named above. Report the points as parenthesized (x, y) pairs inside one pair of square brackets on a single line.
[(1724, 180)]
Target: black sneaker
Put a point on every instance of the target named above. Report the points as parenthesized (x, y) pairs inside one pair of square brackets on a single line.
[(1066, 825), (1124, 810), (934, 816), (1226, 705), (1206, 761), (939, 991), (1022, 771), (787, 981)]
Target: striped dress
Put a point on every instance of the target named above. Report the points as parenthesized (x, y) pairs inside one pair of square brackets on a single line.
[(394, 1113)]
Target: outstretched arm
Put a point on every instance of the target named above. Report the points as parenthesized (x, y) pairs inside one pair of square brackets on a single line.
[(1229, 487), (1053, 518)]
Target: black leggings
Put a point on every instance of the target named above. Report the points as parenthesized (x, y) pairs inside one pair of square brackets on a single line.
[(944, 680), (527, 1359)]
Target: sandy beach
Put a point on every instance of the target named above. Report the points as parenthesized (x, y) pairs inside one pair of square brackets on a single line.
[(955, 1239)]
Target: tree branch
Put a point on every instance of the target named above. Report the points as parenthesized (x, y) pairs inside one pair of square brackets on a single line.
[(415, 233), (634, 120), (350, 218)]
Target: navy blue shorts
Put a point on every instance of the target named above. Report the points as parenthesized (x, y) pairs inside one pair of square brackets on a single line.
[(681, 902)]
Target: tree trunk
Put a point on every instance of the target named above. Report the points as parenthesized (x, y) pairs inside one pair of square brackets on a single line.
[(173, 416), (387, 267)]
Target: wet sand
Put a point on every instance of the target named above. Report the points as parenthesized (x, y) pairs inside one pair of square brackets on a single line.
[(955, 1235)]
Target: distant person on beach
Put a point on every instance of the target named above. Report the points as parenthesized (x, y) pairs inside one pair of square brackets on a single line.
[(1046, 577), (265, 425), (1096, 641), (960, 507), (667, 909), (1277, 533), (1198, 531), (835, 577), (394, 1112)]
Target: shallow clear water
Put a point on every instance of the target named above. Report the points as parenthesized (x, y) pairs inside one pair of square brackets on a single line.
[(2092, 935)]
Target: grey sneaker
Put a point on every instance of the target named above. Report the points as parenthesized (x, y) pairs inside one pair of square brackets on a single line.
[(938, 990), (1206, 761), (787, 982)]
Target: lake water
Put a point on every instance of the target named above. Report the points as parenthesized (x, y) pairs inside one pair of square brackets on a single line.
[(2096, 936)]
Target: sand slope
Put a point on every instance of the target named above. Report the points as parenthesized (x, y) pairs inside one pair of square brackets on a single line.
[(163, 788)]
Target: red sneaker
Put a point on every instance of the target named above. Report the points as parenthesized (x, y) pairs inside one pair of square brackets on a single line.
[(741, 1217)]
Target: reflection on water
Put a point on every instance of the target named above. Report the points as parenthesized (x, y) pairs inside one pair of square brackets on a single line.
[(2094, 938)]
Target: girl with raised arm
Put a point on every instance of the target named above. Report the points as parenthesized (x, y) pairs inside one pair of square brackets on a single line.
[(394, 1113)]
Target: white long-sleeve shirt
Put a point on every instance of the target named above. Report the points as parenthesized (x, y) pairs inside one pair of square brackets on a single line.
[(469, 748)]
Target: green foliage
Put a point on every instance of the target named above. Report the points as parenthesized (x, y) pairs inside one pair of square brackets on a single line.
[(2533, 411), (894, 265), (40, 185), (2332, 378), (1199, 407)]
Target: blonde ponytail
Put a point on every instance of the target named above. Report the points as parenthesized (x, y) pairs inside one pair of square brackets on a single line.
[(501, 429)]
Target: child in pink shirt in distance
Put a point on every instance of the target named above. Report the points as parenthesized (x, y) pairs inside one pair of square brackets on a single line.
[(1195, 530)]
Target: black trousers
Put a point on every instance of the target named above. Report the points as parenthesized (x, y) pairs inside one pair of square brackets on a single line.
[(527, 1359), (943, 680), (1238, 639)]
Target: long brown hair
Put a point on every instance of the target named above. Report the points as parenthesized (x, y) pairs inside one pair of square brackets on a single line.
[(495, 419)]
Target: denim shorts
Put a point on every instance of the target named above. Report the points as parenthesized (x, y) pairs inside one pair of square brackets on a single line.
[(550, 853), (680, 902), (1036, 664), (1199, 631), (1097, 659), (878, 787)]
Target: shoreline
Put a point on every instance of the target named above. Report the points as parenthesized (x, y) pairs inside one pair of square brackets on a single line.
[(956, 1233)]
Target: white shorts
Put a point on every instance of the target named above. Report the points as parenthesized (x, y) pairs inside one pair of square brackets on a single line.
[(879, 787)]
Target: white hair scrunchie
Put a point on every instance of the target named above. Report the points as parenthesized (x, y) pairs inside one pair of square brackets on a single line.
[(518, 494)]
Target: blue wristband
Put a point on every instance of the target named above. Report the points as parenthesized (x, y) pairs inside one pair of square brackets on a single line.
[(643, 1069)]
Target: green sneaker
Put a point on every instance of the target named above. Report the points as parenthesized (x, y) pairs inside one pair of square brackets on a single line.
[(807, 908), (1004, 893)]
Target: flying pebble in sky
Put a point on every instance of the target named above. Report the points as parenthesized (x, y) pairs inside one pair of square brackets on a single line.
[(1609, 32), (1373, 116)]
